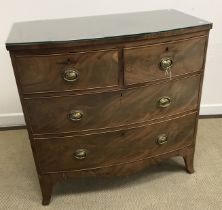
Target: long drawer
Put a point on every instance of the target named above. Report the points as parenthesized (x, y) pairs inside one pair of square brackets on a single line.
[(112, 109), (104, 149)]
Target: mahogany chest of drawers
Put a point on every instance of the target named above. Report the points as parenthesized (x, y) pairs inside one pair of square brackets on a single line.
[(109, 95)]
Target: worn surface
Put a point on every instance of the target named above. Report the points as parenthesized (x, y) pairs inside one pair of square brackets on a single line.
[(117, 25)]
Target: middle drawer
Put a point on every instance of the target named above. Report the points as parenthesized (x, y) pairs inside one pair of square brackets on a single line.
[(112, 109)]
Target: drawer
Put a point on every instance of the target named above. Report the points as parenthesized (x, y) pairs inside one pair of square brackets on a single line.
[(143, 64), (105, 149), (72, 71), (112, 109)]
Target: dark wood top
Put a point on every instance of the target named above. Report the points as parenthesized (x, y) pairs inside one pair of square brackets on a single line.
[(100, 27)]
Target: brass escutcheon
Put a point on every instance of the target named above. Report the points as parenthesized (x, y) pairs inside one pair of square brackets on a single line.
[(166, 63), (164, 101), (161, 139), (75, 115), (80, 154), (71, 75)]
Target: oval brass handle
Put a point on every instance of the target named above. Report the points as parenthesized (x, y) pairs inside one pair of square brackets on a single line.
[(75, 115), (161, 139), (166, 64), (164, 101), (70, 75), (80, 154)]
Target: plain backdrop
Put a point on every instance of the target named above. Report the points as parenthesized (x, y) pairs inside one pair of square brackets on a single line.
[(25, 10)]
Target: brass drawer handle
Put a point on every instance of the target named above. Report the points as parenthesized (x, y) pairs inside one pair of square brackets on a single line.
[(71, 75), (164, 102), (75, 115), (166, 64), (161, 139), (80, 154)]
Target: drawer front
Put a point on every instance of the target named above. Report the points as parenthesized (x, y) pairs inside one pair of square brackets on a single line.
[(111, 109), (149, 63), (73, 71), (99, 150)]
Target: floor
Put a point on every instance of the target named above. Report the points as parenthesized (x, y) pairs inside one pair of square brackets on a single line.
[(165, 186)]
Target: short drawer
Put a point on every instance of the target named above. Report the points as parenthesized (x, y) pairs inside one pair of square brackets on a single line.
[(112, 109), (72, 71), (149, 63), (105, 149)]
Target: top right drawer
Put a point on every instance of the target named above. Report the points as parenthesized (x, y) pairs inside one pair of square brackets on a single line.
[(154, 62)]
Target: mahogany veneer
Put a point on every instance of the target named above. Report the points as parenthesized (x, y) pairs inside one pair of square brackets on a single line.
[(132, 105), (42, 73), (109, 95)]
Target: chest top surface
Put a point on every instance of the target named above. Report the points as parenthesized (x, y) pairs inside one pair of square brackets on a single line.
[(101, 27)]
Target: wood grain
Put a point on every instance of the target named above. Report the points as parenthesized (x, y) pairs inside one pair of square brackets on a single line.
[(44, 73), (97, 45), (119, 85), (115, 147), (142, 63), (50, 115), (123, 169)]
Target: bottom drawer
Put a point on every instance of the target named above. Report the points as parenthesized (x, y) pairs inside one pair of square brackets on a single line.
[(104, 149)]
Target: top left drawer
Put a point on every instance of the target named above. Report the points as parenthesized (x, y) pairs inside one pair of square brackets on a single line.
[(65, 72)]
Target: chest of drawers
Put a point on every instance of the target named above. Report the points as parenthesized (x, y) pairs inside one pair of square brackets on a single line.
[(109, 95)]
